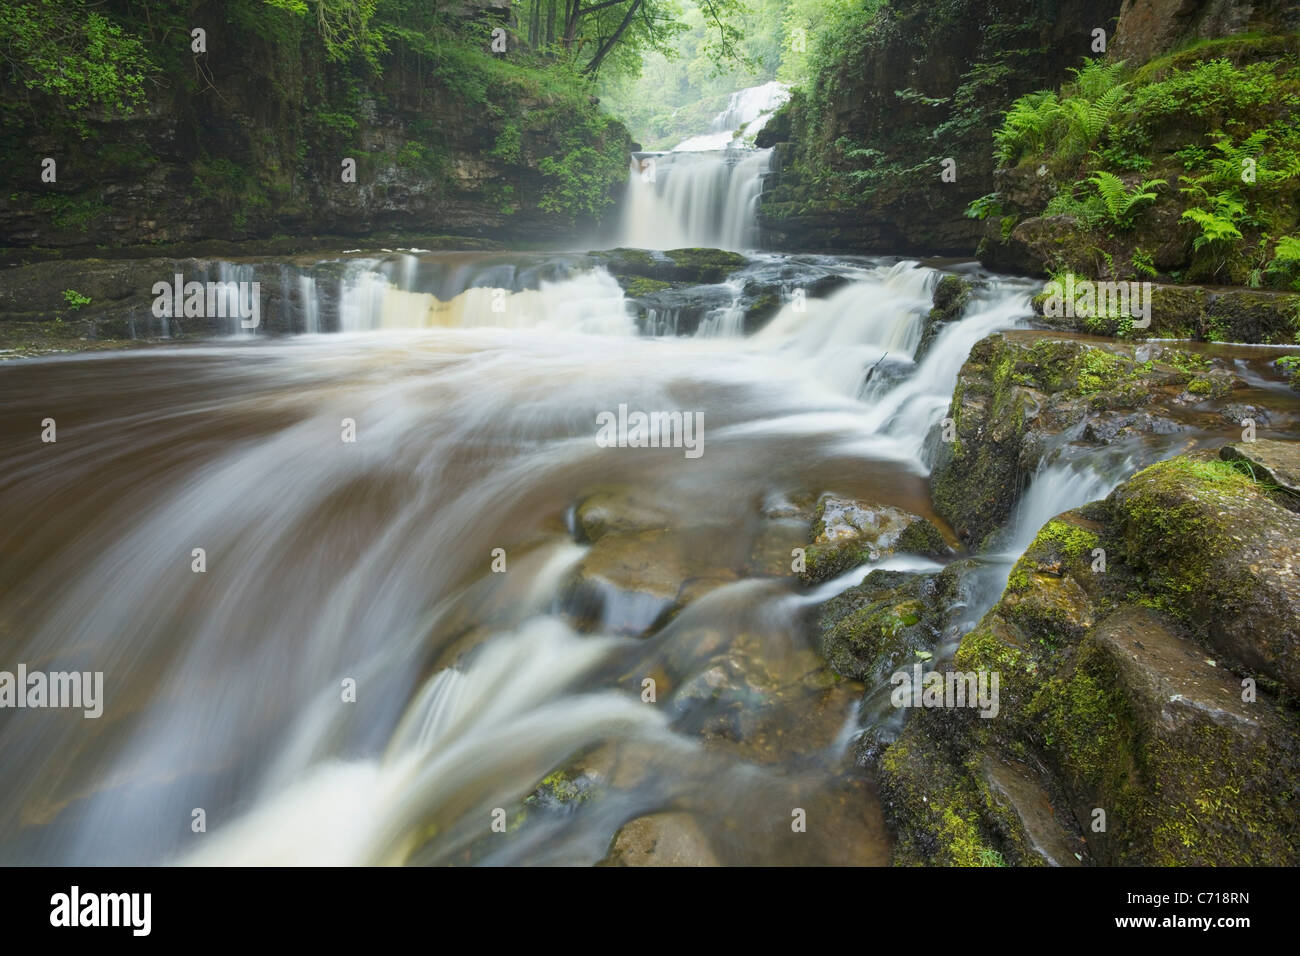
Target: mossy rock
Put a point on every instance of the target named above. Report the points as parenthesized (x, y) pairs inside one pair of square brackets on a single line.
[(1242, 316), (1123, 682), (922, 537), (878, 626), (951, 296), (846, 533), (1214, 548)]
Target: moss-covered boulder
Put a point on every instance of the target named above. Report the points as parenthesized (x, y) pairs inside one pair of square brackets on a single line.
[(695, 266), (951, 296), (1020, 392), (846, 533), (1271, 318), (874, 628), (1152, 723), (1217, 550)]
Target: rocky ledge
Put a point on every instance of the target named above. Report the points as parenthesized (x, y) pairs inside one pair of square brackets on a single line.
[(1148, 653)]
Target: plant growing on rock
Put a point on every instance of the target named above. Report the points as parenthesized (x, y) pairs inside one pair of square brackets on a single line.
[(1121, 202)]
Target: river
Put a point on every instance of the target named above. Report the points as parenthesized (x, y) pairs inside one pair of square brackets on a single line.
[(376, 563)]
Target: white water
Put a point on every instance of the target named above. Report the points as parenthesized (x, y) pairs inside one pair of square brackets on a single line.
[(679, 200), (474, 382), (370, 562), (747, 112), (705, 191)]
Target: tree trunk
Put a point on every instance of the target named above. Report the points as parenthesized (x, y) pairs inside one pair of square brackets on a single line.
[(591, 68)]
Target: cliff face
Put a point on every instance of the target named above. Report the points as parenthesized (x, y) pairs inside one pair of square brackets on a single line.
[(1148, 28), (248, 140), (921, 82)]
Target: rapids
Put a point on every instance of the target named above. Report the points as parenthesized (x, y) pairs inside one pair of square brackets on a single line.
[(429, 562)]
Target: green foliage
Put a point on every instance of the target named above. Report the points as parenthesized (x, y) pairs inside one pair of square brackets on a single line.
[(75, 54), (75, 299), (1218, 224), (1068, 125), (579, 176), (987, 205), (1026, 127), (1143, 263), (1284, 266), (1121, 202), (1220, 120), (507, 144), (68, 213)]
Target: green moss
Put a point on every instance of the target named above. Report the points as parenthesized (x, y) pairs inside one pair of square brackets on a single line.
[(1083, 718), (1173, 530), (1098, 371), (922, 537), (637, 286), (963, 843), (1070, 539)]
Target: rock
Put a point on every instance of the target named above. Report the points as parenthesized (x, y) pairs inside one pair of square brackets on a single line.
[(630, 583), (1020, 794), (1238, 413), (1122, 689), (1273, 461), (878, 626), (846, 533), (621, 510), (1148, 28), (922, 537), (695, 266), (1241, 315), (661, 839), (951, 296), (1019, 392), (1220, 552)]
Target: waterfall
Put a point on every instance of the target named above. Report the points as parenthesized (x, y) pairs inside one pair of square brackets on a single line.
[(681, 199), (705, 191), (369, 562), (747, 112)]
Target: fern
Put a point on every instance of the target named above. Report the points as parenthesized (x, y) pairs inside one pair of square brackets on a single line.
[(1284, 269), (1121, 204), (1026, 127), (1215, 228)]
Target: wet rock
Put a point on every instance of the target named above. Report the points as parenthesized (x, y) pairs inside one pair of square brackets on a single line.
[(880, 625), (620, 510), (1242, 315), (1192, 312), (846, 533), (1022, 394), (1146, 687), (1277, 462), (630, 583), (951, 296), (922, 537), (1021, 794), (1218, 550), (1238, 413), (695, 266), (661, 839), (561, 791)]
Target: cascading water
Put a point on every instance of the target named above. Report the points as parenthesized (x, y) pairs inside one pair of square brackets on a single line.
[(747, 112), (331, 561), (679, 200), (705, 192)]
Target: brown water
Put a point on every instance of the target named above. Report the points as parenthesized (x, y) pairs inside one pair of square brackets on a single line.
[(370, 561)]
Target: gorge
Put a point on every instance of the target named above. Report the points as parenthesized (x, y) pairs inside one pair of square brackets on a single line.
[(475, 628)]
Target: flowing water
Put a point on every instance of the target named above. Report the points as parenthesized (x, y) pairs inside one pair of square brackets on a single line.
[(705, 191), (437, 563)]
